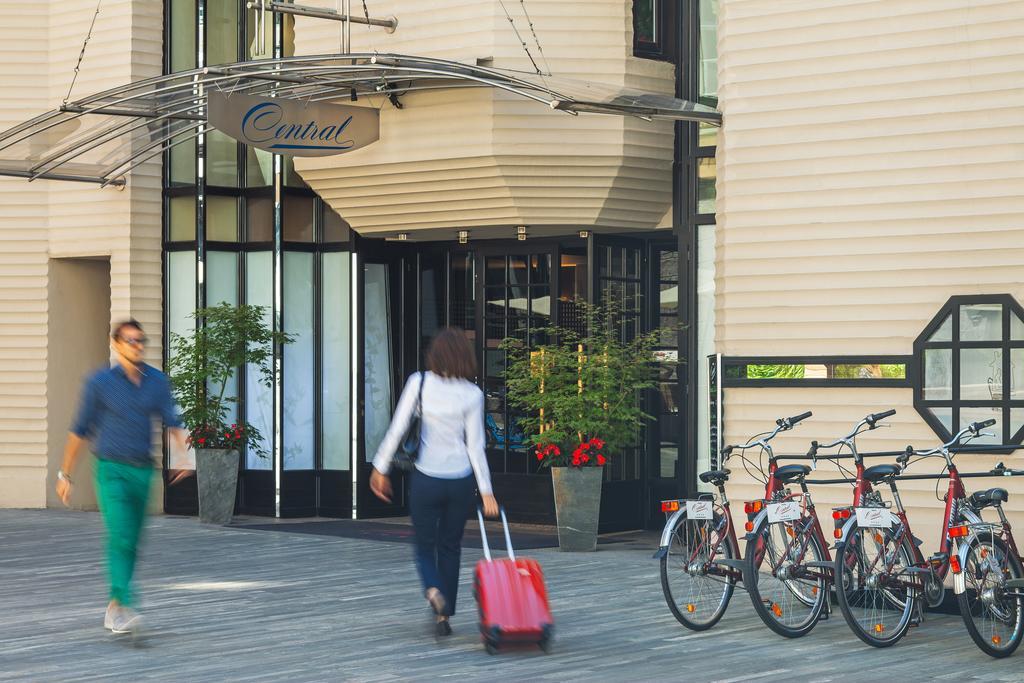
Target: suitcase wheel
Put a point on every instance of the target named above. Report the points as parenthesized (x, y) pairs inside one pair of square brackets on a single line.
[(492, 648), (545, 645)]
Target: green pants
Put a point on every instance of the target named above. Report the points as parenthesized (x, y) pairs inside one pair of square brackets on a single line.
[(123, 492)]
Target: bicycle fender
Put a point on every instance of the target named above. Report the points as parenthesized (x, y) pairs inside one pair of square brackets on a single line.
[(960, 580), (762, 516), (666, 533), (893, 519)]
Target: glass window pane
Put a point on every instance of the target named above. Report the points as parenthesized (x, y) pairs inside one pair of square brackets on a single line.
[(1017, 374), (259, 167), (182, 219), (336, 381), (183, 163), (221, 218), (981, 374), (298, 219), (540, 305), (633, 263), (336, 228), (617, 263), (260, 219), (181, 302), (259, 46), (1016, 327), (222, 287), (945, 416), (222, 32), (377, 375), (668, 265), (183, 35), (495, 270), (707, 77), (706, 185), (644, 20), (540, 269), (938, 374), (291, 176), (259, 403), (432, 274), (299, 408), (707, 135), (517, 270), (981, 322), (1016, 421), (462, 294), (969, 415), (944, 333), (668, 298), (221, 160)]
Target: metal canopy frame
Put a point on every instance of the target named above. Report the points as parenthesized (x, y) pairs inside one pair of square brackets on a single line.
[(102, 137)]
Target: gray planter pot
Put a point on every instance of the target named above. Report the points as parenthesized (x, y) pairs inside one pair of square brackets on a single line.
[(577, 504), (217, 472)]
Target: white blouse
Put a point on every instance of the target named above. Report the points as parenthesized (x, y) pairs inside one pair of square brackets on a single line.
[(452, 429)]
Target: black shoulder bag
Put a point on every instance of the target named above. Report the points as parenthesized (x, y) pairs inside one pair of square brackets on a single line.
[(409, 446)]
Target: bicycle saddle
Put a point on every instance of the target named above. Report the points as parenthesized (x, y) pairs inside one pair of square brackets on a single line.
[(980, 499), (788, 473), (715, 476), (877, 473)]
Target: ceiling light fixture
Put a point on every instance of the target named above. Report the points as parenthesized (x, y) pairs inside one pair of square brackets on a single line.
[(463, 236), (521, 233), (584, 234)]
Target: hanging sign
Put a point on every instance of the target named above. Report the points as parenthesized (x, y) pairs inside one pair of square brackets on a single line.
[(293, 127)]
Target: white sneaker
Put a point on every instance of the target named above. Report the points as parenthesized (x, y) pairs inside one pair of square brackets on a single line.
[(126, 620), (108, 618)]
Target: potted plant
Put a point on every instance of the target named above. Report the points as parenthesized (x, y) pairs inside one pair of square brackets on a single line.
[(580, 392), (200, 367)]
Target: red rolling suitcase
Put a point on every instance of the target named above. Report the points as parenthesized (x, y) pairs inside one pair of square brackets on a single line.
[(511, 597)]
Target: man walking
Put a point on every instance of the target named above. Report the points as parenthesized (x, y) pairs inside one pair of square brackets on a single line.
[(116, 412)]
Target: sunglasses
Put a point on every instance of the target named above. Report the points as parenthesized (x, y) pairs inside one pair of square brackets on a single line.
[(135, 341)]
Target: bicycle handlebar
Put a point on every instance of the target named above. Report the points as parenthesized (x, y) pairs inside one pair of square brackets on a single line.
[(790, 422), (875, 417), (783, 424), (974, 429)]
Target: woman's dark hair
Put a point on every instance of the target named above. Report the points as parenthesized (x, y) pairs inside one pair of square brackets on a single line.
[(451, 355)]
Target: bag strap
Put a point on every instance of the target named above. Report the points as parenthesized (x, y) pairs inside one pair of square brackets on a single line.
[(483, 534), (419, 394)]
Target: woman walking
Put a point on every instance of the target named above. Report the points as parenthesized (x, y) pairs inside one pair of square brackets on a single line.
[(451, 455)]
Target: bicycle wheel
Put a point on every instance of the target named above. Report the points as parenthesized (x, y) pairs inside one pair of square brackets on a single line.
[(787, 594), (993, 615), (695, 593), (871, 571)]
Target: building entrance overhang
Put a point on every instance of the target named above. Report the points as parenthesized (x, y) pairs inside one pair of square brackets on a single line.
[(101, 138)]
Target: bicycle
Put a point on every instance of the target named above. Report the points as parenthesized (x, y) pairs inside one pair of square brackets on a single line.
[(699, 552), (789, 571), (889, 575)]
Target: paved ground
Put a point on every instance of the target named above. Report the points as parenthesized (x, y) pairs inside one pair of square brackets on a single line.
[(227, 604)]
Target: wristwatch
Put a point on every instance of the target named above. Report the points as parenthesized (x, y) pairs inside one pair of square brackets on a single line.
[(62, 476)]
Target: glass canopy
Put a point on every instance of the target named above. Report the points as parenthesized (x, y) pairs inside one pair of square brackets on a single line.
[(100, 138)]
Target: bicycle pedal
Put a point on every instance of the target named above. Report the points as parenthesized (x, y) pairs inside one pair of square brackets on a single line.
[(938, 559)]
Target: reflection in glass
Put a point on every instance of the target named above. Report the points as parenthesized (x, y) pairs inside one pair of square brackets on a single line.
[(943, 415), (517, 270), (221, 159), (706, 173), (1016, 327), (336, 228), (1016, 421), (981, 374), (298, 219), (181, 302), (259, 167), (668, 266), (336, 378), (298, 362), (707, 84), (944, 332), (377, 378), (183, 35), (182, 219), (707, 135), (540, 303), (981, 322), (259, 403), (222, 287), (182, 169), (540, 269), (1017, 374), (221, 218), (938, 374), (969, 415), (221, 32), (260, 219), (644, 20), (494, 269)]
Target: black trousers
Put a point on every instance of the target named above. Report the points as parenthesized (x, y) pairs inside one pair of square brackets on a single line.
[(439, 508)]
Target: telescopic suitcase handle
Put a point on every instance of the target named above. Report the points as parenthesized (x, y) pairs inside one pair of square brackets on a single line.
[(483, 534)]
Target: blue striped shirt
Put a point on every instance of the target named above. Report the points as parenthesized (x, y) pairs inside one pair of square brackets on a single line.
[(119, 414)]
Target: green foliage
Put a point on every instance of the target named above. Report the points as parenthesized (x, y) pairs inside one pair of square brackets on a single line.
[(775, 371), (226, 337), (584, 385)]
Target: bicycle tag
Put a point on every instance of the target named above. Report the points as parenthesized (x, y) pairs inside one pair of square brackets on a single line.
[(875, 518), (698, 509), (783, 512)]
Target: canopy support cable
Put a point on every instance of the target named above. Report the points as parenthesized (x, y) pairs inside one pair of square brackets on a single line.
[(81, 55)]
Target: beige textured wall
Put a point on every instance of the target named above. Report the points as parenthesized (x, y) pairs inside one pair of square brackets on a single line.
[(871, 165), (39, 44), (481, 157)]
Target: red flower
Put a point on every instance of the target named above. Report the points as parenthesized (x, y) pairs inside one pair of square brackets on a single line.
[(585, 445), (201, 441), (601, 460), (540, 455), (555, 449), (585, 458), (597, 443)]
